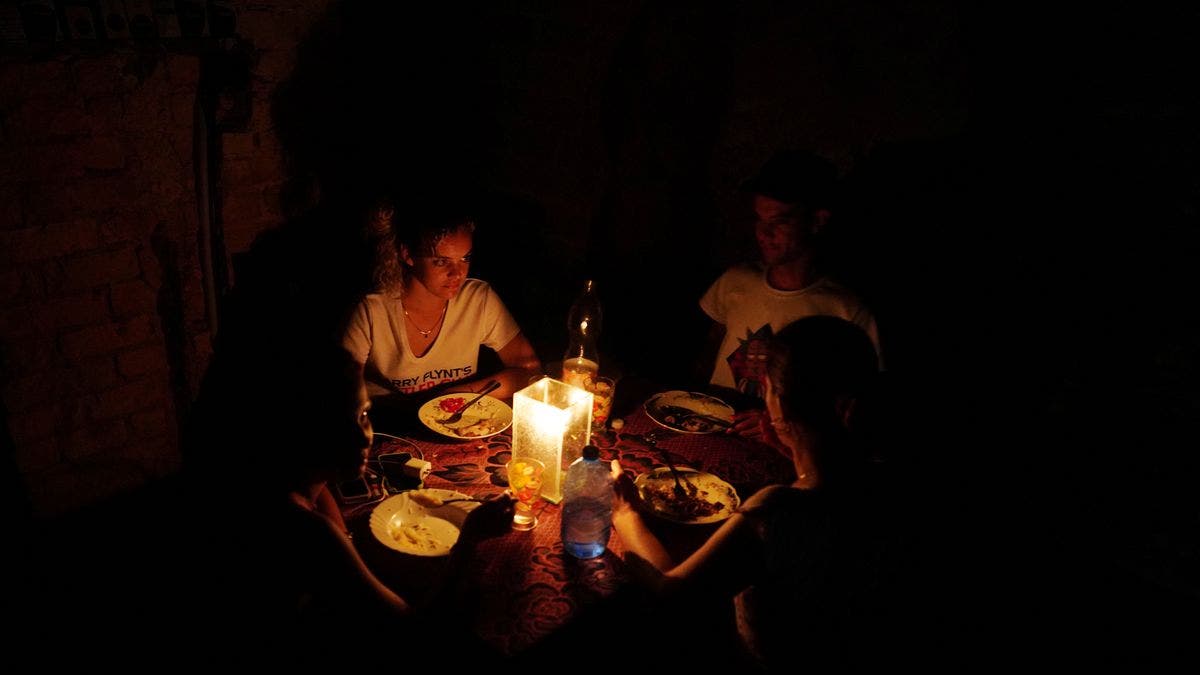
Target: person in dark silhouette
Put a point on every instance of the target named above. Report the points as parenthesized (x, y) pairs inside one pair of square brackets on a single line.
[(278, 562), (801, 561), (792, 199), (422, 331)]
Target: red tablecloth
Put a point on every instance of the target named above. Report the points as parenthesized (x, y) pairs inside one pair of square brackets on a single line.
[(524, 584)]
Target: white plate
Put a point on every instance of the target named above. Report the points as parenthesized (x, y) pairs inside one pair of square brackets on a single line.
[(488, 417), (656, 489), (659, 408), (400, 523)]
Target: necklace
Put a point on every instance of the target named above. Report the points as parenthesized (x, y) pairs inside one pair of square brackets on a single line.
[(425, 333)]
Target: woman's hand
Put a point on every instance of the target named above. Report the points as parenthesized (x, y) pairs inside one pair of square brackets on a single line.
[(756, 424), (640, 542), (748, 423), (625, 493)]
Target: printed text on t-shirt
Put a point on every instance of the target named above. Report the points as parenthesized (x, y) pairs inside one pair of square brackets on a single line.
[(432, 378)]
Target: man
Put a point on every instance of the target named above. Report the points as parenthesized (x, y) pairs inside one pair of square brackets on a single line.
[(792, 198)]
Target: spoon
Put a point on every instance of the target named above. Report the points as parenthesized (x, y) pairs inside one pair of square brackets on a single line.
[(433, 502)]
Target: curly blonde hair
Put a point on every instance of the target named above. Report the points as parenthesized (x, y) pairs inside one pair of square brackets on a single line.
[(387, 273), (423, 232)]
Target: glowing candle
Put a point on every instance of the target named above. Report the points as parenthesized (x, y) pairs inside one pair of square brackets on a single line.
[(552, 421)]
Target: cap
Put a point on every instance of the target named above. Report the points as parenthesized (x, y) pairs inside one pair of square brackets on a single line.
[(795, 177)]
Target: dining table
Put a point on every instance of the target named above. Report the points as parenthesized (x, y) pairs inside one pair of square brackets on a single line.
[(524, 586)]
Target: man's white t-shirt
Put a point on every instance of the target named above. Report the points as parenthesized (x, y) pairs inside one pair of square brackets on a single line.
[(377, 338), (752, 312)]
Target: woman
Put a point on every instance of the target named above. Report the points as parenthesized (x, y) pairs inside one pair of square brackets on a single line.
[(797, 559), (422, 331)]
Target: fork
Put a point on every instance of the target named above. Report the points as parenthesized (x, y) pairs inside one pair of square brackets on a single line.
[(457, 416), (681, 414), (652, 440)]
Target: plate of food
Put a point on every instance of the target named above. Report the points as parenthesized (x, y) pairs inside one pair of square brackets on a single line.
[(420, 522), (709, 499), (487, 417), (689, 412)]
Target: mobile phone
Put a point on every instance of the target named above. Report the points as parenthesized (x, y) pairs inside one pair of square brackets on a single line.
[(355, 490)]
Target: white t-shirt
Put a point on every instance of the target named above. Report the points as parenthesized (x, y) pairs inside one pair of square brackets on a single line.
[(752, 311), (376, 337)]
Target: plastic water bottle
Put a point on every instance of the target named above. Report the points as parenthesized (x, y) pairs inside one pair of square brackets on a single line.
[(587, 505)]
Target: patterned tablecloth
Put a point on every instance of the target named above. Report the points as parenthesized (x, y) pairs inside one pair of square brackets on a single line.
[(523, 584)]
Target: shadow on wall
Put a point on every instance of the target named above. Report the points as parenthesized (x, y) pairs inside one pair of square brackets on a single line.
[(384, 102), (906, 237), (304, 273), (513, 256), (382, 97), (664, 103)]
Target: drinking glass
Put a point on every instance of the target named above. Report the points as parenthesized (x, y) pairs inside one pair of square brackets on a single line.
[(525, 484), (580, 372), (602, 390)]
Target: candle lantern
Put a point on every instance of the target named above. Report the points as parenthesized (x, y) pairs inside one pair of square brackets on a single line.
[(552, 421)]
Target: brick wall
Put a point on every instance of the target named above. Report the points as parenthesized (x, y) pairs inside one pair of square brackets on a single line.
[(103, 328), (252, 172), (102, 314)]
